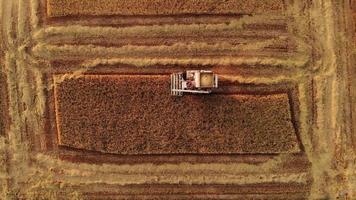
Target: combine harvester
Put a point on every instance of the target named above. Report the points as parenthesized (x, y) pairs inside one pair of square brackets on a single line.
[(194, 82)]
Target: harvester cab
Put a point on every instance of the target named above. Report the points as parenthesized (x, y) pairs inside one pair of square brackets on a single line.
[(194, 82)]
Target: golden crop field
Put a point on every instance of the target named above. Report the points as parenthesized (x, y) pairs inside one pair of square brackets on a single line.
[(86, 110)]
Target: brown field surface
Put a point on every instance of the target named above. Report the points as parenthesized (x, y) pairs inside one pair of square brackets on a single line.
[(86, 110)]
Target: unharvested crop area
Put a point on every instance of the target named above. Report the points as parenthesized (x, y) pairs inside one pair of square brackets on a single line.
[(86, 110)]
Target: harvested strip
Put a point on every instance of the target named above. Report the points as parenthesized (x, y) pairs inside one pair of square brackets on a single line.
[(176, 51), (299, 61), (76, 34), (170, 30)]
